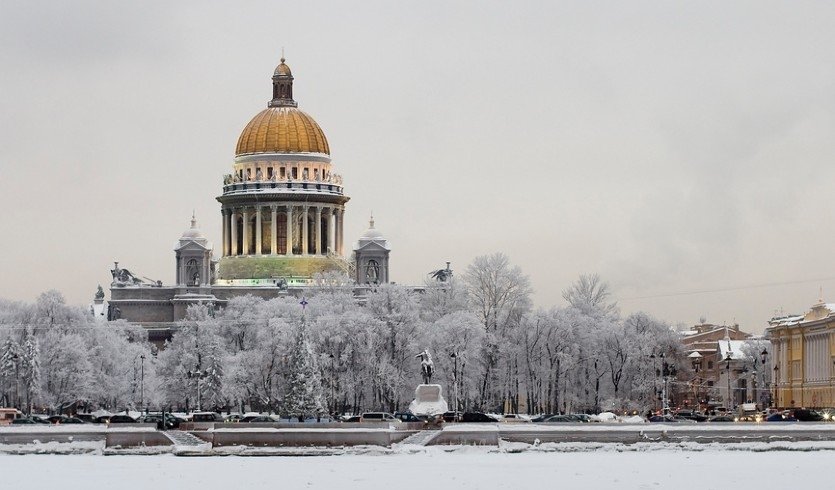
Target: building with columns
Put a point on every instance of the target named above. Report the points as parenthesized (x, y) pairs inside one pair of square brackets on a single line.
[(282, 205), (803, 349), (282, 209)]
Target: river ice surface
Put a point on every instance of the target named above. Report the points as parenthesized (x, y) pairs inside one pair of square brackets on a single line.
[(462, 468)]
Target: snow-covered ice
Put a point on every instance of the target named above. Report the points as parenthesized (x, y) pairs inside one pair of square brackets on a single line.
[(438, 468)]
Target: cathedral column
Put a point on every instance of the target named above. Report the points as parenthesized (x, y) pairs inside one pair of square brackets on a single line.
[(224, 249), (233, 244), (245, 231), (318, 230), (289, 230), (331, 242), (305, 230), (258, 229), (338, 231), (274, 229)]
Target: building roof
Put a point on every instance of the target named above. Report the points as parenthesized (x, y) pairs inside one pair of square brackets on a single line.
[(281, 127), (734, 347), (193, 235), (372, 235), (282, 130)]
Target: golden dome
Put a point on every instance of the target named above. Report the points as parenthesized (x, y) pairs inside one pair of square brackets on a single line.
[(283, 69), (282, 130)]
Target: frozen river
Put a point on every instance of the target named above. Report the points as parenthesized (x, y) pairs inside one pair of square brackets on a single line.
[(464, 469)]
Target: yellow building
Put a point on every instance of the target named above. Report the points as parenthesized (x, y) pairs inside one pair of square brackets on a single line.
[(803, 348)]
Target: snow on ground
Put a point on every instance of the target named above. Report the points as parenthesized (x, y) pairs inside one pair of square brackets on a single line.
[(442, 468), (682, 427)]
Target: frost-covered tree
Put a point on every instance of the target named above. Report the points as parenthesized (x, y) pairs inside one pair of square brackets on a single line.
[(304, 390), (10, 359), (499, 294), (30, 364), (591, 295)]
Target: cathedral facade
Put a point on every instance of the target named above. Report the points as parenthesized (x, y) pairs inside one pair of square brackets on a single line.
[(282, 210)]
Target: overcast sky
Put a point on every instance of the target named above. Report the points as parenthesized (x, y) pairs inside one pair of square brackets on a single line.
[(669, 148)]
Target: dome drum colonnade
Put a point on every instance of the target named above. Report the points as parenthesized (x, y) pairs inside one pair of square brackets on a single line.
[(282, 201)]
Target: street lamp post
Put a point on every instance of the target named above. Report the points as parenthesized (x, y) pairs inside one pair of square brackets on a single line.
[(728, 373), (454, 356), (333, 383), (776, 384), (142, 382), (655, 381), (763, 359), (16, 359), (198, 374)]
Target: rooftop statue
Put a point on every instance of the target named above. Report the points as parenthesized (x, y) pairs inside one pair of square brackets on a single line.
[(99, 293), (123, 277)]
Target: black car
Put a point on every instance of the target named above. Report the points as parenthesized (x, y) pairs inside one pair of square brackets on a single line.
[(63, 419), (559, 419), (721, 418), (691, 415), (24, 421), (804, 415), (451, 416), (406, 417), (541, 418), (121, 419), (477, 417), (171, 422), (257, 418)]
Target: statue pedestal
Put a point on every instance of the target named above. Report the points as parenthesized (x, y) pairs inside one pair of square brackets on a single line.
[(428, 402)]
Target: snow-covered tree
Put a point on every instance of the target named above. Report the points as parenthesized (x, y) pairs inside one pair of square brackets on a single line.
[(499, 294), (30, 368), (591, 295), (304, 391), (10, 359)]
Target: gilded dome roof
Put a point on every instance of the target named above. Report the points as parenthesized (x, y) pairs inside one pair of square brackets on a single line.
[(282, 69), (282, 130)]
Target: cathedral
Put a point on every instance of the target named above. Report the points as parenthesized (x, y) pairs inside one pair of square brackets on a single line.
[(282, 209)]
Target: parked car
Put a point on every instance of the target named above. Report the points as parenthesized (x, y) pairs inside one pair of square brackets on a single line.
[(477, 417), (233, 418), (24, 421), (8, 415), (171, 422), (86, 417), (781, 417), (406, 417), (377, 417), (350, 418), (452, 416), (542, 417), (515, 417), (257, 418), (582, 417), (804, 415), (40, 420), (205, 417), (721, 418), (562, 419), (692, 415), (121, 419), (64, 419)]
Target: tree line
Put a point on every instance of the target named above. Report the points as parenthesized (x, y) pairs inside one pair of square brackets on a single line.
[(492, 350)]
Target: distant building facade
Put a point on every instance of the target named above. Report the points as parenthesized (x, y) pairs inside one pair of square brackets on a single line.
[(727, 367), (804, 357)]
